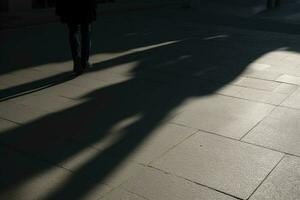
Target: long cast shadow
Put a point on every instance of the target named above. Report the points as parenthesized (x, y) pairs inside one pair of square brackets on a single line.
[(163, 79)]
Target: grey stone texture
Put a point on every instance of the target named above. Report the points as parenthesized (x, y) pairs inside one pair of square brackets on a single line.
[(155, 184), (226, 165), (280, 131), (223, 115), (293, 100), (177, 105), (283, 182)]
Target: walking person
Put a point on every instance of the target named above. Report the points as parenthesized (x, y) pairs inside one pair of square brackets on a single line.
[(78, 15)]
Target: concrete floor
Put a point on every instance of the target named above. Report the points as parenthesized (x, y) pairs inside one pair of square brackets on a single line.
[(175, 106)]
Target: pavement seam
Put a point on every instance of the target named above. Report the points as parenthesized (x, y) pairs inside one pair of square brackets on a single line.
[(276, 150), (208, 187), (173, 146), (241, 141), (267, 115), (267, 176), (34, 158), (18, 123), (288, 96), (283, 156), (289, 107), (250, 100), (276, 106), (50, 164), (136, 194), (121, 188)]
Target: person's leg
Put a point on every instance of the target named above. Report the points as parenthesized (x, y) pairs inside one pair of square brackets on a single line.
[(75, 47), (85, 44), (74, 40)]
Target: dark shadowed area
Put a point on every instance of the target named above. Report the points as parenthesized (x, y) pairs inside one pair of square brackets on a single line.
[(161, 63)]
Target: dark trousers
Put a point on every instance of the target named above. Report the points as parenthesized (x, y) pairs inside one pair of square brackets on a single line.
[(80, 41), (273, 3)]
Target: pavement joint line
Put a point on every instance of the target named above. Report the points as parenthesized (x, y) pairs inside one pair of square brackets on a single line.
[(267, 115), (276, 106), (174, 146), (257, 78), (241, 141), (47, 162), (231, 84), (288, 96), (18, 123), (213, 188), (162, 171), (294, 84), (35, 108), (110, 191), (33, 157), (288, 82), (135, 194), (283, 156), (271, 149), (288, 107), (248, 87), (250, 100), (191, 181), (25, 93), (275, 81)]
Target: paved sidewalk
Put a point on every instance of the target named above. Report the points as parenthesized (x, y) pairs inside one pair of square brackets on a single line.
[(174, 107)]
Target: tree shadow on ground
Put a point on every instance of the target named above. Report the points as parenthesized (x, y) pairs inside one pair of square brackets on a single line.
[(195, 63)]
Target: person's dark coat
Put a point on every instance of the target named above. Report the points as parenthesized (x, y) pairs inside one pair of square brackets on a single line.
[(79, 11)]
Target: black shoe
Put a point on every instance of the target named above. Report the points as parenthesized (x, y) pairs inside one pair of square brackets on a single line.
[(77, 68)]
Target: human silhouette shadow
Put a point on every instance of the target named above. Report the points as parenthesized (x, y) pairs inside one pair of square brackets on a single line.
[(25, 49), (165, 76), (128, 36)]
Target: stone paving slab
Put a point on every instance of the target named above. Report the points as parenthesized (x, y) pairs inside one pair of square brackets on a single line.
[(289, 79), (293, 101), (161, 140), (223, 115), (262, 74), (284, 88), (119, 194), (256, 83), (20, 113), (66, 90), (9, 80), (283, 182), (142, 102), (274, 98), (155, 184), (226, 165), (45, 102), (6, 125), (22, 177), (122, 173), (280, 131)]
